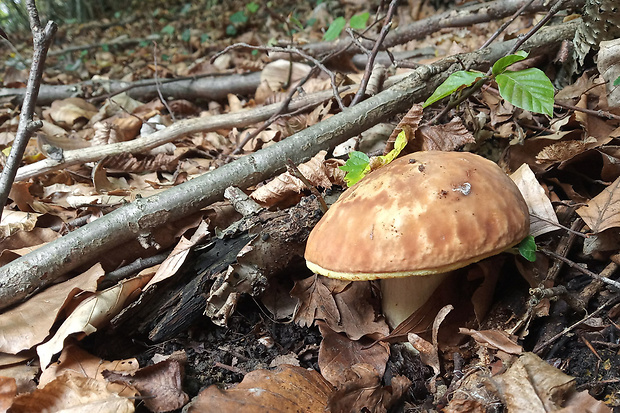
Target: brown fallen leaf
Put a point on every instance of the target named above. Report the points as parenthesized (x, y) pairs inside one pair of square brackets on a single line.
[(72, 393), (345, 306), (318, 171), (77, 362), (159, 384), (447, 137), (337, 353), (28, 324), (537, 201), (362, 391), (601, 212), (71, 111), (495, 339), (91, 314), (284, 389), (8, 391), (531, 385)]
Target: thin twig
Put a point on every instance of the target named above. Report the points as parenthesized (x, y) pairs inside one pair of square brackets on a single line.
[(157, 84), (540, 347), (42, 39), (572, 264), (552, 12), (506, 24), (387, 23)]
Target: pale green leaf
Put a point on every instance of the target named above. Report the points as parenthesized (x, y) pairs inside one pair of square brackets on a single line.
[(527, 248), (528, 89), (356, 167), (454, 82), (358, 21)]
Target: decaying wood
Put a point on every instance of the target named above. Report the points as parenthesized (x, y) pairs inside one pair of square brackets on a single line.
[(241, 261), (27, 274)]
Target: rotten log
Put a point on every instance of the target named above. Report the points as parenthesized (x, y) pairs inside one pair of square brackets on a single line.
[(41, 267), (215, 278)]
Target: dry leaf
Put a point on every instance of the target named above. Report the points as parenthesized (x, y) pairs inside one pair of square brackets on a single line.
[(74, 361), (344, 306), (602, 211), (284, 389), (338, 353), (531, 385), (29, 323), (91, 314), (8, 391), (277, 74), (317, 171), (72, 393), (446, 137), (495, 339), (160, 385), (537, 201), (362, 391), (71, 111)]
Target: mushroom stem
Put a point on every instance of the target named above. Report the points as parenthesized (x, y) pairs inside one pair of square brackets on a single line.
[(401, 297)]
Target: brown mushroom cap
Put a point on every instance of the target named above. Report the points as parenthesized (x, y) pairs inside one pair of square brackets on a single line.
[(425, 213)]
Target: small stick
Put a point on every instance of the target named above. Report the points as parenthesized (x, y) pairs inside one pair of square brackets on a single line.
[(373, 54), (42, 39), (572, 264), (538, 349)]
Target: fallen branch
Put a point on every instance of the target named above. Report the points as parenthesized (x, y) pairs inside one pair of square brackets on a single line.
[(175, 131), (41, 267), (463, 17), (215, 87)]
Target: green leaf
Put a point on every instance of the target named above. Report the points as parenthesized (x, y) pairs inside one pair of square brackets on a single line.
[(334, 29), (168, 29), (238, 17), (454, 82), (204, 38), (355, 167), (527, 248), (506, 61), (230, 30), (617, 81), (358, 21), (186, 8), (186, 35), (528, 89), (252, 7), (295, 22)]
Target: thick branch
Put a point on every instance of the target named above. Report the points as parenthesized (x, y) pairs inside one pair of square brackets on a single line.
[(41, 267)]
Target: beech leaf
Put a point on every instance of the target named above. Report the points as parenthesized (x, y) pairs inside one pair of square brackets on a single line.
[(528, 89), (601, 212)]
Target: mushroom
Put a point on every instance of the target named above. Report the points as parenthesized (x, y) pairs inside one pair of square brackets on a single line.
[(413, 221)]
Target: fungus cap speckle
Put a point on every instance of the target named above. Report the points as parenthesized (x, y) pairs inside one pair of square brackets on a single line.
[(425, 213)]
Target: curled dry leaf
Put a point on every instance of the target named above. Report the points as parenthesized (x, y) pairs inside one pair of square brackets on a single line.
[(495, 339), (283, 72), (602, 211), (411, 120), (537, 201), (91, 314), (284, 389), (72, 393), (14, 221), (8, 391), (318, 171), (71, 111)]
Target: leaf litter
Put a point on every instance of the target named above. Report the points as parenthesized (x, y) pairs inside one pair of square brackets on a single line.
[(566, 164)]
